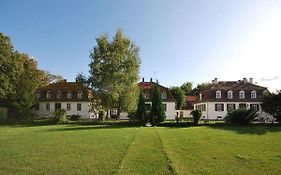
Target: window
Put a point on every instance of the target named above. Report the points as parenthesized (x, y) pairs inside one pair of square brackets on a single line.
[(253, 94), (57, 106), (219, 107), (164, 95), (69, 95), (201, 107), (230, 107), (79, 107), (37, 106), (68, 106), (148, 107), (218, 94), (47, 106), (38, 95), (242, 105), (58, 95), (254, 106), (48, 95), (79, 96), (242, 94), (200, 96), (165, 107), (230, 94)]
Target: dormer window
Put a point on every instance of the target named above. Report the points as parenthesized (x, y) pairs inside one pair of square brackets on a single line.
[(230, 94), (58, 95), (242, 94), (48, 95), (80, 93), (164, 95), (253, 94), (38, 95), (218, 94), (69, 95), (200, 96)]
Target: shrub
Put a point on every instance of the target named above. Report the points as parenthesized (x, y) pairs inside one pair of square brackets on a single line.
[(241, 116), (61, 117), (74, 117), (196, 116)]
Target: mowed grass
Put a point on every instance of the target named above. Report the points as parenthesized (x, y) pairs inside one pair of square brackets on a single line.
[(72, 149)]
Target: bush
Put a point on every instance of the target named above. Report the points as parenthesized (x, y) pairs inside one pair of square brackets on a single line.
[(61, 117), (74, 117), (241, 116), (196, 116)]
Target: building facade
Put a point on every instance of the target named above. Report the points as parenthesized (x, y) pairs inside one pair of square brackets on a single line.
[(167, 98), (229, 95), (71, 96)]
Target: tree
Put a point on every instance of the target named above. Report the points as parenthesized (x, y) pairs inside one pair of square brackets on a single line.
[(82, 79), (196, 114), (241, 116), (187, 88), (178, 94), (201, 87), (271, 103), (157, 109), (114, 72), (141, 110)]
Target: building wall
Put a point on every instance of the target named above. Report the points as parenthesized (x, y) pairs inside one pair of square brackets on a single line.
[(84, 113), (170, 112), (184, 113), (211, 114)]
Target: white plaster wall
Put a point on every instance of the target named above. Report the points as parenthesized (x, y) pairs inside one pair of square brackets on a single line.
[(186, 113), (171, 112), (84, 113)]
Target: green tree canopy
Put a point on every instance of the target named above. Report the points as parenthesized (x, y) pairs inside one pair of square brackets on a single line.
[(187, 88), (178, 94), (201, 87), (114, 72), (141, 110), (271, 103), (157, 109)]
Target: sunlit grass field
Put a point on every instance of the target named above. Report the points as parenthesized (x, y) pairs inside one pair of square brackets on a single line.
[(74, 149)]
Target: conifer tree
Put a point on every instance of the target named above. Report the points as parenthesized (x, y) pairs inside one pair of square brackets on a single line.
[(157, 109), (141, 110)]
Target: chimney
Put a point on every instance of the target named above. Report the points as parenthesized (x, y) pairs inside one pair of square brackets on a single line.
[(142, 79), (251, 80), (151, 80), (215, 81), (245, 80), (64, 80)]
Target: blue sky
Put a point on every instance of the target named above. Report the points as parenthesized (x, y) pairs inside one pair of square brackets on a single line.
[(180, 40)]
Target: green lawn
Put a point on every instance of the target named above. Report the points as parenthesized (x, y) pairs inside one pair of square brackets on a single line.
[(72, 149)]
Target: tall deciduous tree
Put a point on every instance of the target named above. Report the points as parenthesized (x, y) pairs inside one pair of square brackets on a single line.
[(114, 71), (157, 109), (178, 94), (187, 88), (82, 79), (271, 103), (141, 110)]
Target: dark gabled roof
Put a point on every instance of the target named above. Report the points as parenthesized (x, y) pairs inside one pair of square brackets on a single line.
[(191, 98), (149, 86), (64, 86)]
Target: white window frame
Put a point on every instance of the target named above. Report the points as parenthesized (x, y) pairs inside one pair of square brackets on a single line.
[(68, 106), (254, 94), (69, 95), (48, 95), (37, 95), (48, 106), (79, 95), (59, 95), (218, 94), (241, 94), (230, 94)]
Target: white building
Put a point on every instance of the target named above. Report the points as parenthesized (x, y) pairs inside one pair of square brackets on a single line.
[(228, 95), (167, 98), (71, 96)]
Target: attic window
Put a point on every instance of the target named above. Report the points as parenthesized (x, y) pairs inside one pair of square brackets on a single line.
[(164, 95), (58, 95), (48, 95), (230, 94), (79, 94), (242, 94), (69, 95), (200, 96), (38, 95), (253, 94), (218, 94)]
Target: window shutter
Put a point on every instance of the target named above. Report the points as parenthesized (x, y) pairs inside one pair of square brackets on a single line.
[(216, 107)]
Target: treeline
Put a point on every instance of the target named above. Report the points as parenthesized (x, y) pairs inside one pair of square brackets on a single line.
[(20, 77)]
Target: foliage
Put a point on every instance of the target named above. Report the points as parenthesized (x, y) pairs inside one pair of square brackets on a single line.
[(187, 88), (241, 116), (178, 94), (271, 103), (82, 79), (141, 110), (196, 114), (114, 72), (61, 117), (157, 109), (201, 87)]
